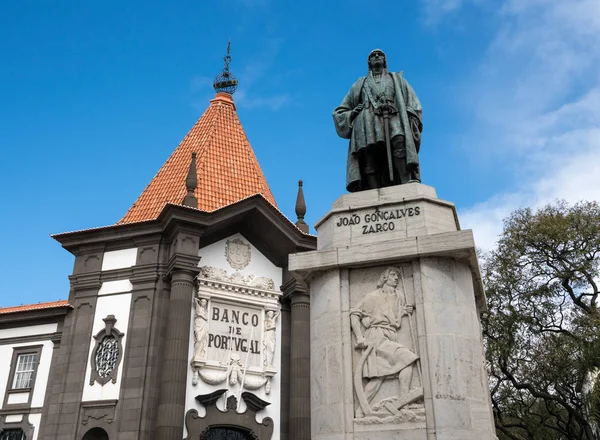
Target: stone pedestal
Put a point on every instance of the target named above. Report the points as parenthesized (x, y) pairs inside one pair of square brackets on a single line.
[(394, 279)]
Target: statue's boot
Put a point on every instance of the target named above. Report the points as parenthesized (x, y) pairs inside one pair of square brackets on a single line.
[(371, 181), (369, 170), (402, 174)]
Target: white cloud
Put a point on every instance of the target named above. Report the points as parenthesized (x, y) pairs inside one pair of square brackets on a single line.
[(536, 101), (271, 102), (435, 10), (572, 175)]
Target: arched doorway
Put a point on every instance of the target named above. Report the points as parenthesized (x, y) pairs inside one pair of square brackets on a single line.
[(226, 433), (96, 434)]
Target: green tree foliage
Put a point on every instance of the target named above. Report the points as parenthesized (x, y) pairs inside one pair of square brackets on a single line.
[(542, 331)]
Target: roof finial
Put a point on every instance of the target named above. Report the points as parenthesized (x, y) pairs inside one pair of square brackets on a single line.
[(301, 209), (191, 183), (225, 81)]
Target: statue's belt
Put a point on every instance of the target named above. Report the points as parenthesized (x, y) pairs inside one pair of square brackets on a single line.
[(387, 327)]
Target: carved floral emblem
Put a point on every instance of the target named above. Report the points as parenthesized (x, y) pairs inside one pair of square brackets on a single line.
[(237, 253)]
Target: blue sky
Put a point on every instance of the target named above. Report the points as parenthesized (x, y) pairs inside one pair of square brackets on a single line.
[(96, 95)]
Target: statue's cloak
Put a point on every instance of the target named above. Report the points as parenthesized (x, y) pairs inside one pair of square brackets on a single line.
[(367, 128)]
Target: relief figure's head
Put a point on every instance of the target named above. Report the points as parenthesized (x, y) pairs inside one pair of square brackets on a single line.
[(391, 277)]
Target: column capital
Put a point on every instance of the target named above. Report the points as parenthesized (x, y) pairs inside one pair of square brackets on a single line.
[(180, 264), (296, 291)]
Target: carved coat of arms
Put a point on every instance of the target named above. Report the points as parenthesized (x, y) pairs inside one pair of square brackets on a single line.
[(237, 253)]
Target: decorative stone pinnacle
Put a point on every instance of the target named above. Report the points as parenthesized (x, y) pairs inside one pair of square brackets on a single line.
[(225, 81), (191, 183), (301, 209)]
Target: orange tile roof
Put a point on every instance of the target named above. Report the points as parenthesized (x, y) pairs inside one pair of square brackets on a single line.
[(39, 306), (227, 168)]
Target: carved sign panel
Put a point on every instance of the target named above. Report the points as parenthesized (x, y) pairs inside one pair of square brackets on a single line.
[(377, 220), (234, 329)]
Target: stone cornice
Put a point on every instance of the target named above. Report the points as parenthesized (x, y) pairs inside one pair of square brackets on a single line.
[(54, 337), (459, 245), (87, 281), (225, 286), (55, 314), (183, 262), (281, 236)]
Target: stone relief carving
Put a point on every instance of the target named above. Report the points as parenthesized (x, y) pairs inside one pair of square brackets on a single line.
[(234, 375), (269, 339), (98, 410), (215, 422), (382, 324), (217, 274), (200, 330), (107, 353), (237, 253)]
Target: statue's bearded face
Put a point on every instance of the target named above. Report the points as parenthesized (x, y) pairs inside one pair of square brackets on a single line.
[(377, 60)]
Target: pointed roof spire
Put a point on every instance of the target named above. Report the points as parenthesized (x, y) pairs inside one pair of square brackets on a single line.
[(227, 170), (191, 183), (301, 209), (225, 81)]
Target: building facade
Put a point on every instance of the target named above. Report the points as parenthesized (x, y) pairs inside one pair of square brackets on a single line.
[(182, 319), (29, 335)]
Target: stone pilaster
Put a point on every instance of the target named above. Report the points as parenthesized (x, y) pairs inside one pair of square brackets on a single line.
[(299, 420), (169, 424)]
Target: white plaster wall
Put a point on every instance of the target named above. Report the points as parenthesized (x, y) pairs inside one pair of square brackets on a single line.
[(30, 330), (35, 420), (15, 398), (214, 255), (117, 305), (118, 286), (41, 379), (119, 259)]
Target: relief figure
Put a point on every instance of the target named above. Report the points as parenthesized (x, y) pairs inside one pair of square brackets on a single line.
[(269, 338), (386, 353), (200, 329)]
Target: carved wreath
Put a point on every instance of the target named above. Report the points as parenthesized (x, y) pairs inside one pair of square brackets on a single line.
[(107, 354)]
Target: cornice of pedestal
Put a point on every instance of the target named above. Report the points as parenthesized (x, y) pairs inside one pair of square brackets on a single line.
[(458, 245)]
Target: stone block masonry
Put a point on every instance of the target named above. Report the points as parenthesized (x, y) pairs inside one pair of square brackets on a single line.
[(395, 296)]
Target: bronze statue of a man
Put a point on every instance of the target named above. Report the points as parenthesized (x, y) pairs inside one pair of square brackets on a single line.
[(382, 117)]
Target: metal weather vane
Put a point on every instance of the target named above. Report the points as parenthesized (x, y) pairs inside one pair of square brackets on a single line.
[(225, 81)]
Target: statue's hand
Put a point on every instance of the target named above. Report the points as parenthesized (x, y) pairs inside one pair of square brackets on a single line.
[(409, 309), (357, 110), (366, 321), (361, 343)]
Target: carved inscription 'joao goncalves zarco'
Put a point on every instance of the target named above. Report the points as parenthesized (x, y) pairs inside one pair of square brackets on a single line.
[(378, 220)]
